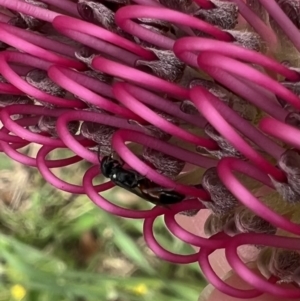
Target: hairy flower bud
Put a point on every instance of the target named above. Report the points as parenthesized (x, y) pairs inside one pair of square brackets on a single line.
[(289, 162), (223, 15), (224, 145), (165, 164), (7, 99), (99, 133), (292, 9), (100, 14), (215, 223), (283, 264), (167, 66), (247, 39), (180, 5), (286, 191), (40, 80), (47, 124), (212, 87), (28, 22), (222, 199), (188, 107), (247, 222), (155, 131)]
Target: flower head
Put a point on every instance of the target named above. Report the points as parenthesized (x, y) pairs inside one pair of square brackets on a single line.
[(191, 105)]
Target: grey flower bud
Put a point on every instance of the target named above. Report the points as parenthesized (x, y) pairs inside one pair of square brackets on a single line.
[(223, 15), (286, 191), (165, 164), (167, 66), (223, 200), (47, 124), (40, 80), (247, 39), (289, 162)]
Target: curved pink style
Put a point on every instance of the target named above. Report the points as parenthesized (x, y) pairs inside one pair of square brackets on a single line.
[(225, 171), (125, 14), (13, 77), (138, 77), (123, 96)]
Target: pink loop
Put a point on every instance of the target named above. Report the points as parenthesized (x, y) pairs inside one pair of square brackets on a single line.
[(124, 15), (88, 82), (159, 250), (218, 283), (100, 118), (129, 101), (138, 77), (186, 49), (249, 276), (54, 180), (9, 89), (63, 23), (13, 77), (190, 238), (11, 125), (280, 130), (122, 136), (203, 100), (31, 10), (108, 206), (225, 172), (214, 61), (164, 105), (57, 74), (41, 41), (19, 43)]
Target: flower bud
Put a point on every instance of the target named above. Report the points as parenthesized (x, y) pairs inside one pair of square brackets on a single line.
[(293, 119), (223, 200), (40, 80), (225, 146), (289, 162), (100, 14), (212, 87), (283, 264), (28, 22), (167, 66), (247, 222), (7, 99), (247, 39), (100, 133), (292, 9), (163, 163), (155, 131), (223, 15), (188, 107), (215, 223), (47, 124), (286, 191), (180, 5)]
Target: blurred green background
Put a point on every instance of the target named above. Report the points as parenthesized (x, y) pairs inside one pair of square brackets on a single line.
[(59, 246)]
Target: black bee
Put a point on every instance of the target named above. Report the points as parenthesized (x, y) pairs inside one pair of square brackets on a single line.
[(137, 184)]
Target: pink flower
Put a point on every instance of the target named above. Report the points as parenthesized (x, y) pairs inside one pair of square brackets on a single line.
[(199, 100)]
